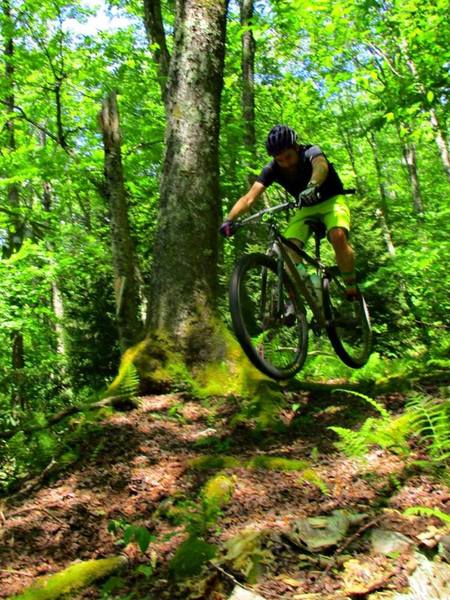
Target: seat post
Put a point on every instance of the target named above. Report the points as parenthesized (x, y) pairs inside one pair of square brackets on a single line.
[(319, 230), (317, 238)]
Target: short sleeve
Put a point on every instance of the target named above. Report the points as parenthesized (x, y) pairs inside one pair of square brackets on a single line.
[(267, 175), (312, 152)]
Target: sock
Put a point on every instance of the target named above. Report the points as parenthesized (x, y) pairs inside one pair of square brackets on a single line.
[(349, 278)]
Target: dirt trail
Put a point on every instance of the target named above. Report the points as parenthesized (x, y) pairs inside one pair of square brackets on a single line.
[(141, 458)]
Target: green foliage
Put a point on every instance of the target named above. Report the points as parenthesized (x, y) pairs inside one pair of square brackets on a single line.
[(129, 384), (245, 553), (132, 533), (385, 431), (310, 476), (424, 417), (424, 511), (376, 405), (198, 517), (190, 557), (430, 419)]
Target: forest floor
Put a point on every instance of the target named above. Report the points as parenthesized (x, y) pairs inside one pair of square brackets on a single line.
[(146, 467)]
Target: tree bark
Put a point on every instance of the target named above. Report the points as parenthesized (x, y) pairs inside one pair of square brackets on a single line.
[(410, 157), (126, 285), (347, 140), (154, 28), (184, 282), (248, 84), (409, 152), (17, 231), (440, 137), (382, 214)]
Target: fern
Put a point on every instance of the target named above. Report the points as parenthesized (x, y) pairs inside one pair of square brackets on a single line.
[(385, 432), (129, 385), (424, 511), (430, 419), (376, 405), (352, 443)]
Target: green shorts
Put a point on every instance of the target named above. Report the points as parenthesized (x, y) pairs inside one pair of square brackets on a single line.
[(334, 212)]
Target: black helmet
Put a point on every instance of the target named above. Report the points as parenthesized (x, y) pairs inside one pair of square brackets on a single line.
[(280, 138)]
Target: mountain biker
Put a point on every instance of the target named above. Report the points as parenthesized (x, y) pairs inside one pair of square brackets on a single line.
[(305, 173)]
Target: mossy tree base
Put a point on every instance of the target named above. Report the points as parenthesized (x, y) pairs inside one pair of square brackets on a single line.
[(209, 363)]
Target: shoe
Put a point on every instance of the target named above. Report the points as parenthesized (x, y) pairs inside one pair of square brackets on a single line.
[(289, 314)]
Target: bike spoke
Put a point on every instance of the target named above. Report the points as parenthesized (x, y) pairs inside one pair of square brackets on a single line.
[(276, 330)]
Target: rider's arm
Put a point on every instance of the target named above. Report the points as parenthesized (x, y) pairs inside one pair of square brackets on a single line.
[(319, 170), (244, 203)]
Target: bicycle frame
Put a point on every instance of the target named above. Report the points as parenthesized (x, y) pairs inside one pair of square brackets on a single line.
[(278, 245)]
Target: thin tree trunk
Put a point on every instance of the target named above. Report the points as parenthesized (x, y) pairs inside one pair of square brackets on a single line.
[(347, 139), (16, 233), (410, 157), (184, 278), (154, 28), (126, 285), (382, 214), (57, 299), (409, 152), (440, 137), (248, 84)]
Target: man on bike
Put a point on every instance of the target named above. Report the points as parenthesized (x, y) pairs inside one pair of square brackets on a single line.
[(305, 173)]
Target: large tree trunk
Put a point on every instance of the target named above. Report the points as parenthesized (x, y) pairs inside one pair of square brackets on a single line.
[(184, 284), (126, 285)]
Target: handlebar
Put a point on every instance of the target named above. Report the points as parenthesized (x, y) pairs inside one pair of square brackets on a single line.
[(279, 207), (261, 213)]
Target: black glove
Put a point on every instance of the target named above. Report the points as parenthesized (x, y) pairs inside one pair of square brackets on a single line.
[(228, 228), (309, 196)]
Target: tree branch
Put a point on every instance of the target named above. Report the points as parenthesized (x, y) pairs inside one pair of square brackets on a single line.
[(37, 125), (154, 28), (118, 402)]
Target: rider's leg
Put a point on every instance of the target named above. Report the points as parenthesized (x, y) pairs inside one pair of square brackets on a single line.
[(337, 221), (345, 258)]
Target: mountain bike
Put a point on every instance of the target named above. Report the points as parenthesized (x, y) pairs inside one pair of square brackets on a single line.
[(271, 301)]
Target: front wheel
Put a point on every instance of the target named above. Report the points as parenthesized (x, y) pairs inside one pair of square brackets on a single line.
[(347, 323), (268, 319)]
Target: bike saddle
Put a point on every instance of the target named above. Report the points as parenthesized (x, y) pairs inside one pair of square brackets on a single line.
[(317, 227)]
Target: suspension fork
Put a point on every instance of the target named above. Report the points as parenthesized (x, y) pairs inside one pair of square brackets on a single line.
[(277, 253)]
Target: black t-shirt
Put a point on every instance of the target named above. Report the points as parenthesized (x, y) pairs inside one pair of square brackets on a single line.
[(296, 181)]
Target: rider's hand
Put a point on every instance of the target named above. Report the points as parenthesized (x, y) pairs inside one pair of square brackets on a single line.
[(228, 228), (309, 196)]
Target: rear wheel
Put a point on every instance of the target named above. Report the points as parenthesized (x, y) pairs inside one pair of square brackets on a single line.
[(268, 319), (348, 323)]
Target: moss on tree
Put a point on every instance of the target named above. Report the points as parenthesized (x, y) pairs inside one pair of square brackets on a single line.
[(73, 579)]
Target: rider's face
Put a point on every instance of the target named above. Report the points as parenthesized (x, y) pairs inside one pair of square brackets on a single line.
[(287, 159)]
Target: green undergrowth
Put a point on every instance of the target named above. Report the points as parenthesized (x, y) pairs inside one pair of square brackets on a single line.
[(425, 418), (198, 518), (23, 455), (380, 371)]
